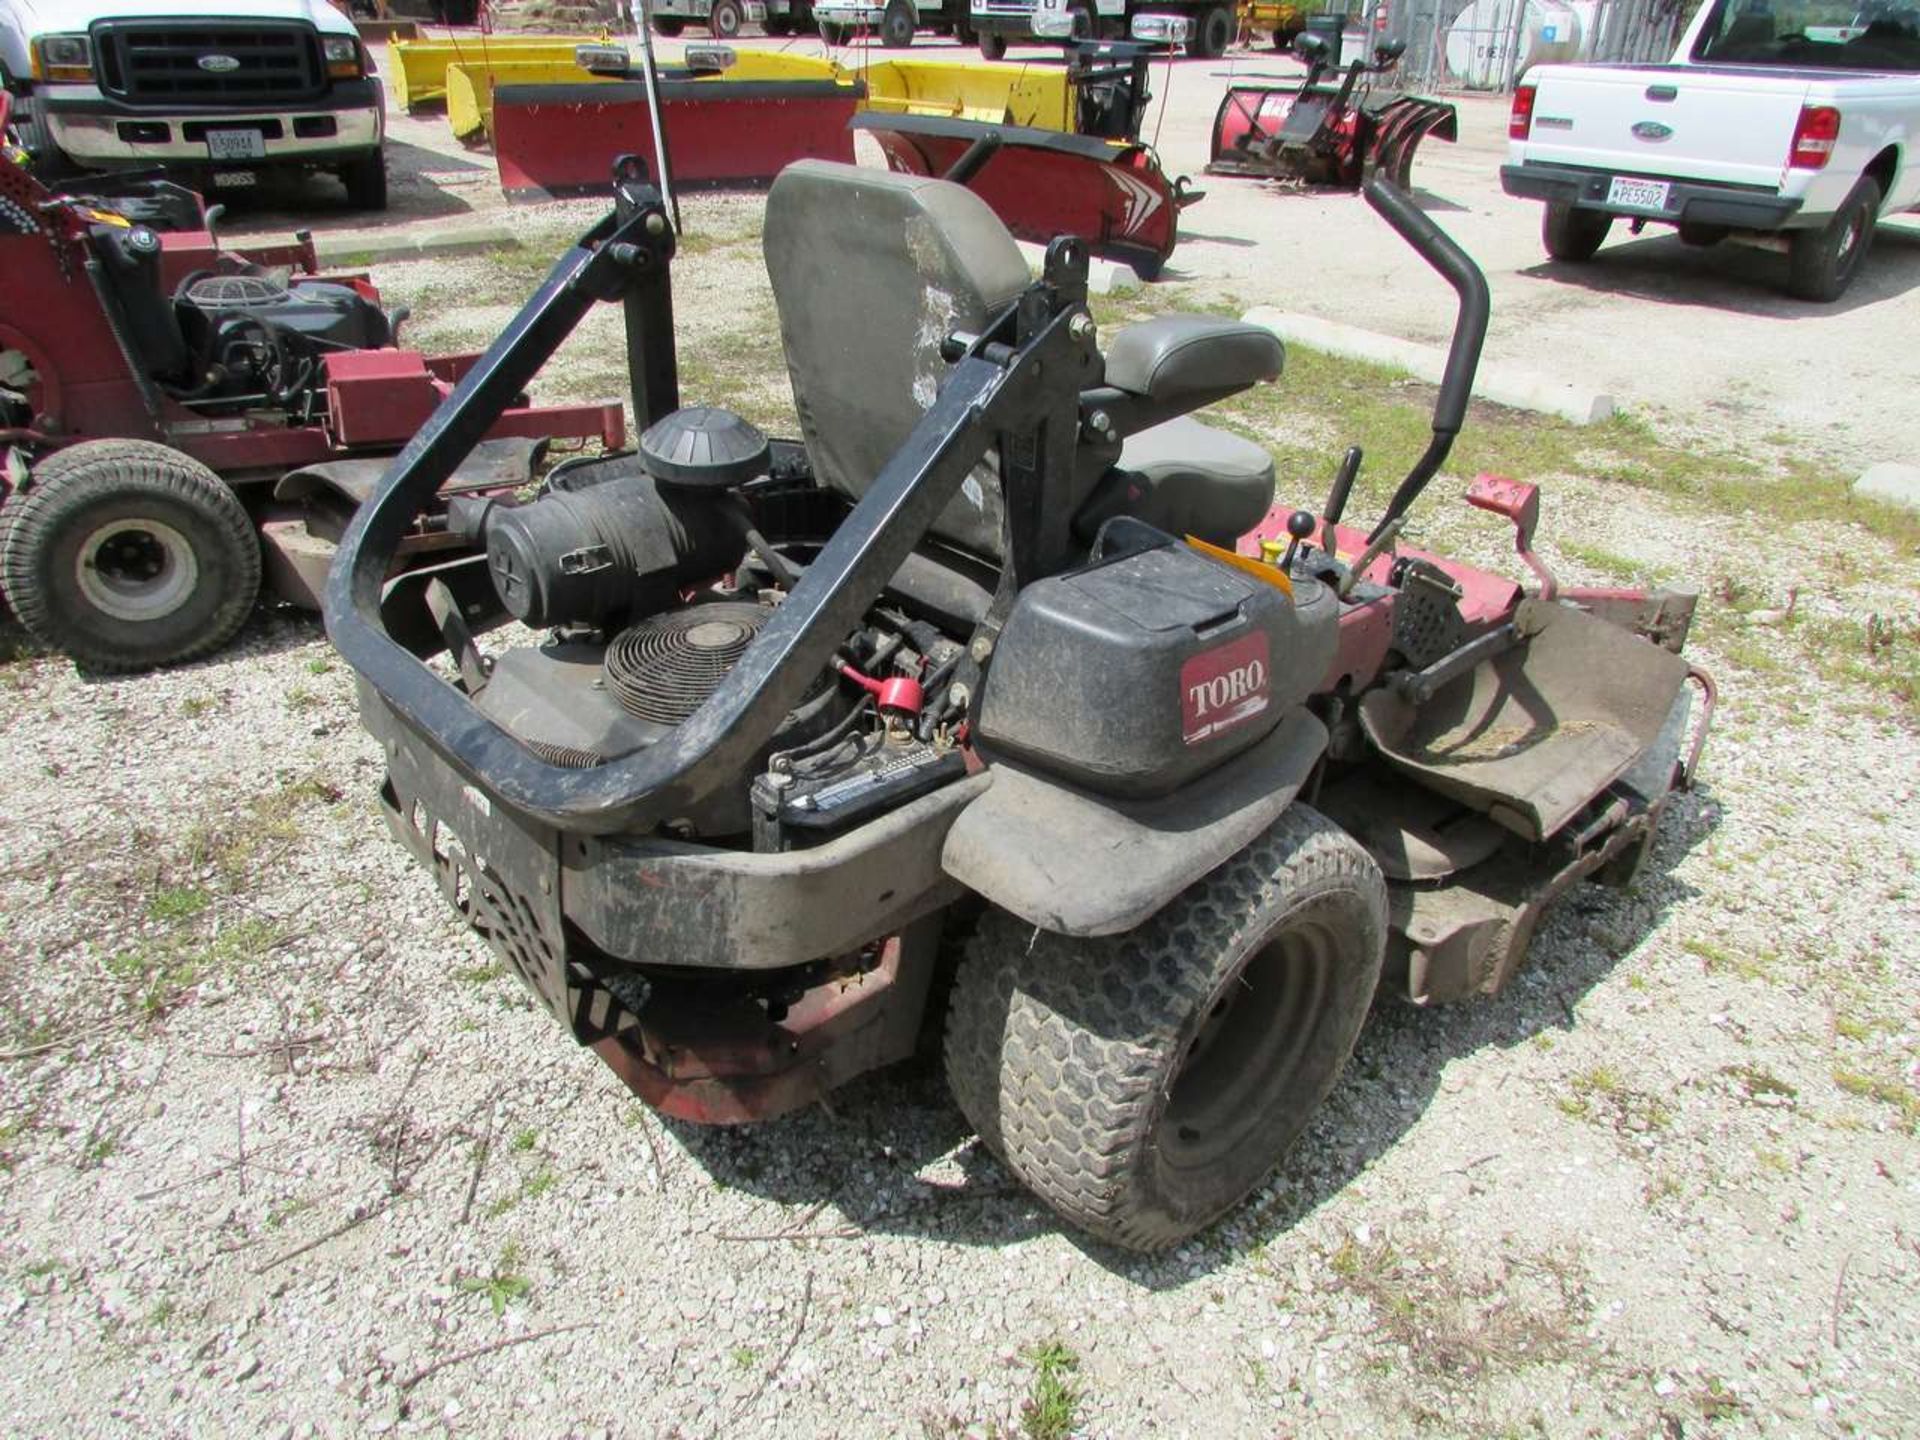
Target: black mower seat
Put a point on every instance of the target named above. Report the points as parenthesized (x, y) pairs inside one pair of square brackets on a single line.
[(871, 270), (1190, 479), (1191, 359)]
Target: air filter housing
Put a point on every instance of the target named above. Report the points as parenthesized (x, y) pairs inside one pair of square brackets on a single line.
[(704, 449)]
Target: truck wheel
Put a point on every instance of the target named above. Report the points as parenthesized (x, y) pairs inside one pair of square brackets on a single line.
[(1142, 1084), (897, 24), (1283, 40), (1212, 33), (725, 19), (779, 26), (668, 27), (1822, 263), (1571, 234), (992, 46), (126, 555), (365, 177)]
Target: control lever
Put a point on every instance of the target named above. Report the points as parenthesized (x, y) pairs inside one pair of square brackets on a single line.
[(1382, 540), (1336, 505)]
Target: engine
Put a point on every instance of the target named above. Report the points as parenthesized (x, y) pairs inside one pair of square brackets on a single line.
[(253, 336), (652, 577), (234, 339)]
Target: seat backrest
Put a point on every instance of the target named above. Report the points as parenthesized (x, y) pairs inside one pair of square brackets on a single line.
[(871, 271)]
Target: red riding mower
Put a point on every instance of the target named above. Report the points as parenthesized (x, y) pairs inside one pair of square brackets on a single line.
[(1008, 658), (1327, 134), (166, 405)]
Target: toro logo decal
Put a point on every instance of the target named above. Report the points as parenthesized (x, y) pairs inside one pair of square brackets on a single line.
[(1224, 687)]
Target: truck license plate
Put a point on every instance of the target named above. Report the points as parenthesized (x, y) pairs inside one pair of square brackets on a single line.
[(245, 145), (1640, 194)]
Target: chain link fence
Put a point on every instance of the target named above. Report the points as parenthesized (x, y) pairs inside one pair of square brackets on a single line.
[(1457, 45)]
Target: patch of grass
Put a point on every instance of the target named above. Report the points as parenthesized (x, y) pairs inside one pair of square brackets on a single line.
[(233, 844), (319, 665), (1053, 1397), (181, 902), (479, 974), (1456, 1327), (1892, 1093), (502, 1285), (194, 706), (1719, 960), (744, 1356), (159, 976), (524, 1140), (1601, 1096), (1758, 1081), (1716, 1401)]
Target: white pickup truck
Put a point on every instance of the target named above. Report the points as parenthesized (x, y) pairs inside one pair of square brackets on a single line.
[(215, 88), (1786, 122)]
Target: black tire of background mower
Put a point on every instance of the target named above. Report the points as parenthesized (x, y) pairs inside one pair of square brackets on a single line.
[(365, 177), (726, 20), (1573, 235), (897, 24), (992, 46), (1062, 1052), (1212, 33), (39, 581), (668, 27), (1817, 270)]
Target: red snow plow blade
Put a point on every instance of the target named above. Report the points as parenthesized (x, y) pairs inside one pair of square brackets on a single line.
[(1041, 183), (558, 140), (1257, 132)]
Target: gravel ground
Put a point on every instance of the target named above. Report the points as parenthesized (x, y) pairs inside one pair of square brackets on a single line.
[(283, 1152)]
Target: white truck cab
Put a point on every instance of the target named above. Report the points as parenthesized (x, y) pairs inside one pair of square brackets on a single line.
[(1787, 122), (216, 88)]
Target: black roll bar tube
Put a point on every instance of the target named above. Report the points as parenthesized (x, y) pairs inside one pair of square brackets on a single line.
[(1456, 267)]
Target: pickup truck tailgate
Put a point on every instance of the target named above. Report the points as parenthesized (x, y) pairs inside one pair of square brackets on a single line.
[(1724, 123)]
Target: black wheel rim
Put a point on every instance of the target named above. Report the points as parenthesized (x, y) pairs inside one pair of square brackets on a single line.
[(1259, 1027)]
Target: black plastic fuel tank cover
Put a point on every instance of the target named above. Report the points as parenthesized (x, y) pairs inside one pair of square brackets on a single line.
[(1145, 669), (705, 448)]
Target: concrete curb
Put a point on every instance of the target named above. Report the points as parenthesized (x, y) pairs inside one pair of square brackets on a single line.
[(1500, 384), (370, 247)]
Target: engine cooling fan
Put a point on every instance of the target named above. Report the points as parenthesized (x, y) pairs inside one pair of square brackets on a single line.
[(665, 667)]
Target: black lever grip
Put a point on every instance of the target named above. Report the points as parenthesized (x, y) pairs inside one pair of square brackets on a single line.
[(1456, 267)]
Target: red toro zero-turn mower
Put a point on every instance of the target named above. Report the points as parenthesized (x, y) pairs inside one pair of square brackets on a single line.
[(1327, 134), (166, 405), (973, 669)]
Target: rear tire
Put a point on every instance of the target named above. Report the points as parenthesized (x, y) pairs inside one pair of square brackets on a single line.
[(365, 177), (726, 20), (897, 24), (1821, 263), (1143, 1084), (1212, 34), (125, 555), (668, 28), (1573, 235), (992, 46)]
